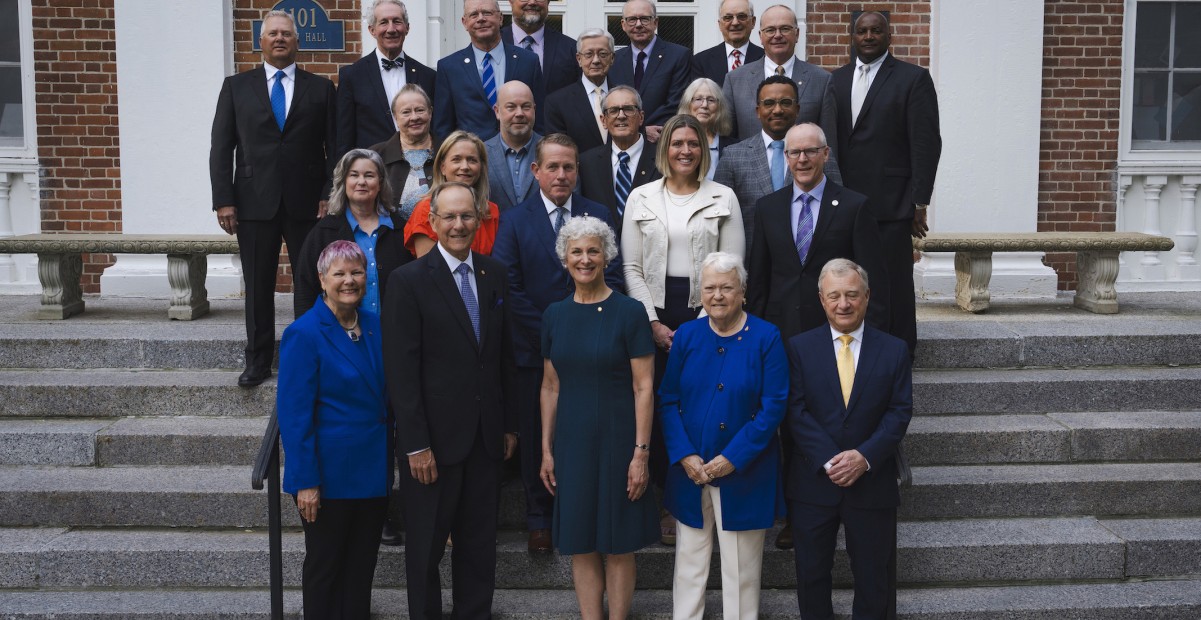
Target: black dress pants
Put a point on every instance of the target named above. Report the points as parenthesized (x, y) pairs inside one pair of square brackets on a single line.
[(341, 548), (259, 244)]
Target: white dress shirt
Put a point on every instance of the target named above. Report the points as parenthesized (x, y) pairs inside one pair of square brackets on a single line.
[(393, 79), (551, 208), (856, 343), (289, 83), (746, 47), (769, 66)]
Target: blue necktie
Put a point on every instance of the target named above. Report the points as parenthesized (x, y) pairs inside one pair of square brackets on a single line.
[(473, 306), (778, 177), (279, 101), (560, 218), (527, 42), (624, 181), (489, 78), (804, 228)]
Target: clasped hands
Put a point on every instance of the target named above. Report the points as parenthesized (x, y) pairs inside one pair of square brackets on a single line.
[(701, 472), (846, 467)]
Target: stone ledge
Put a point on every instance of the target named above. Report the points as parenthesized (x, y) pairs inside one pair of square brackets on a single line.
[(118, 243), (1043, 242)]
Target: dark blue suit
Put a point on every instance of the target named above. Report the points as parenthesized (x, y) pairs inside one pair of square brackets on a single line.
[(364, 112), (821, 426), (559, 67), (460, 101), (666, 77), (525, 242)]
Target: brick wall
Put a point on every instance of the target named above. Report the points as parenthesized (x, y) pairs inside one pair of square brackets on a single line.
[(322, 63), (1082, 75), (829, 38), (75, 68)]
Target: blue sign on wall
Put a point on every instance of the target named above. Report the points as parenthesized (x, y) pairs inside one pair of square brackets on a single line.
[(316, 30)]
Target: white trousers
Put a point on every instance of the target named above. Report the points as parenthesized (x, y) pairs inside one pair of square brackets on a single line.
[(741, 565)]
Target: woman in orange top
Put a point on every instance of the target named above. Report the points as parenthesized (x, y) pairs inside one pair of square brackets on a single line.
[(460, 158)]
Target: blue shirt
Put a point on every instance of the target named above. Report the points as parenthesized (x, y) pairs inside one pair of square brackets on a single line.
[(518, 162), (371, 300), (498, 62)]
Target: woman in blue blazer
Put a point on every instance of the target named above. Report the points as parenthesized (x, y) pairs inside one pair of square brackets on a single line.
[(333, 421), (723, 396)]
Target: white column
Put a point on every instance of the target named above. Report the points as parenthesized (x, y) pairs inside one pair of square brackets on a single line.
[(1152, 187), (1186, 230), (165, 120), (19, 215), (989, 107), (8, 267)]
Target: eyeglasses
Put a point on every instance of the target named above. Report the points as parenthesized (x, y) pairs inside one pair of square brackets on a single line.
[(808, 153), (589, 55), (467, 218), (634, 20), (700, 100), (771, 103), (771, 31), (619, 109), (730, 17)]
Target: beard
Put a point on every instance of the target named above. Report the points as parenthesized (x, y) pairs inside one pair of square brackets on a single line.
[(530, 21)]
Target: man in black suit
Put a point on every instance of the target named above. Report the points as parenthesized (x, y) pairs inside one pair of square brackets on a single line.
[(575, 109), (270, 163), (367, 87), (603, 169), (449, 365), (888, 149), (736, 21), (850, 402), (657, 69), (555, 50)]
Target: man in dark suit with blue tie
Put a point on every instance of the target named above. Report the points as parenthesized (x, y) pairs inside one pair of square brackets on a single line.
[(657, 69), (555, 50), (609, 172), (526, 243), (468, 79), (849, 405), (736, 21), (450, 372), (367, 87), (270, 163)]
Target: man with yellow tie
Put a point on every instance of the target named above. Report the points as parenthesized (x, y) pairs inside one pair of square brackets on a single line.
[(850, 402)]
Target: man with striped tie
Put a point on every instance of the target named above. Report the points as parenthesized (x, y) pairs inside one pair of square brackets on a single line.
[(609, 172)]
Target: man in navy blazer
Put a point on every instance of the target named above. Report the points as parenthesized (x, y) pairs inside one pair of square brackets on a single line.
[(849, 405), (367, 87), (657, 69), (460, 98), (449, 368), (555, 50), (736, 21), (525, 243)]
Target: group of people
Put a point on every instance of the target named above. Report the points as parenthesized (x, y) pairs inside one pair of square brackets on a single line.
[(645, 273)]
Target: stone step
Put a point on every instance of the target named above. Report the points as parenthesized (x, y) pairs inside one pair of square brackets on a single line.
[(1055, 390), (121, 393), (182, 440), (967, 551), (1154, 600), (1055, 437)]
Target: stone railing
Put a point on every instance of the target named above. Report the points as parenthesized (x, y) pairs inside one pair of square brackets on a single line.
[(1159, 198)]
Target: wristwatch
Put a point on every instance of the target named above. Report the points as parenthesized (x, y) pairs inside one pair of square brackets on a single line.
[(921, 207)]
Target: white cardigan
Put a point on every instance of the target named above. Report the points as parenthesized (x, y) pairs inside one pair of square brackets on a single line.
[(714, 224)]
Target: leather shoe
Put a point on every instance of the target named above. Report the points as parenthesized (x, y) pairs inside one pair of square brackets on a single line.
[(539, 542), (784, 538), (391, 536), (253, 376)]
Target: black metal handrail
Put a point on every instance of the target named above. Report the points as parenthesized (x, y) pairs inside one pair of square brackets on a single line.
[(266, 467)]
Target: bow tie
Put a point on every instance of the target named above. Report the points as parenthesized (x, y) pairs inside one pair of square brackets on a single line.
[(389, 65)]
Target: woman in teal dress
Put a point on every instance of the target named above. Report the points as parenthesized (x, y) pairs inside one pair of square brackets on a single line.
[(599, 374)]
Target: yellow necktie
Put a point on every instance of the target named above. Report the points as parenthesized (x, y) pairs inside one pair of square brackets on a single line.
[(846, 368)]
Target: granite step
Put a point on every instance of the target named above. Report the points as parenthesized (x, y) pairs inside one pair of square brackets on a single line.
[(957, 551), (1155, 600), (182, 440), (1055, 438), (124, 392)]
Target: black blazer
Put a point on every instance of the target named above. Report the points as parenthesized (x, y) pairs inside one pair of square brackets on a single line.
[(713, 63), (559, 67), (783, 291), (397, 169), (666, 77), (892, 153), (390, 253), (444, 386), (364, 112), (596, 176), (256, 167), (569, 111)]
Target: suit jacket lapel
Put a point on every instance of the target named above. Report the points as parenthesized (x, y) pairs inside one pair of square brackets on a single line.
[(333, 332), (448, 287), (485, 296), (584, 102), (302, 86), (261, 91), (827, 212), (868, 354), (878, 83), (761, 174), (377, 84), (471, 72), (542, 226), (653, 61), (778, 213), (498, 167), (800, 75), (643, 173)]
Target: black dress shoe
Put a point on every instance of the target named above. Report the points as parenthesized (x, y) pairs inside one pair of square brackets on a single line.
[(253, 376), (539, 542), (784, 538), (391, 536)]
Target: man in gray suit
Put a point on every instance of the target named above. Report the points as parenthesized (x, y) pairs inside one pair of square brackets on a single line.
[(757, 166), (779, 32), (511, 151)]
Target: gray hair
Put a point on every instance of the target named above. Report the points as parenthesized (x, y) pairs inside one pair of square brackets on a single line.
[(580, 227), (412, 88), (436, 193), (725, 262), (337, 193), (621, 89), (796, 20), (369, 11), (750, 7), (654, 11), (593, 33), (723, 121), (278, 13), (840, 267)]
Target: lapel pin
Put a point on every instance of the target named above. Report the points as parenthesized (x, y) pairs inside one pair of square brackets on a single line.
[(834, 203), (466, 61), (482, 273)]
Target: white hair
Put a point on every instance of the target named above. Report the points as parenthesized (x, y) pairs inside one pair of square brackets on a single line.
[(584, 226), (840, 267), (369, 11), (725, 262)]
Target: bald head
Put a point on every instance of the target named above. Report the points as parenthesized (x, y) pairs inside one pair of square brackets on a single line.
[(515, 110)]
